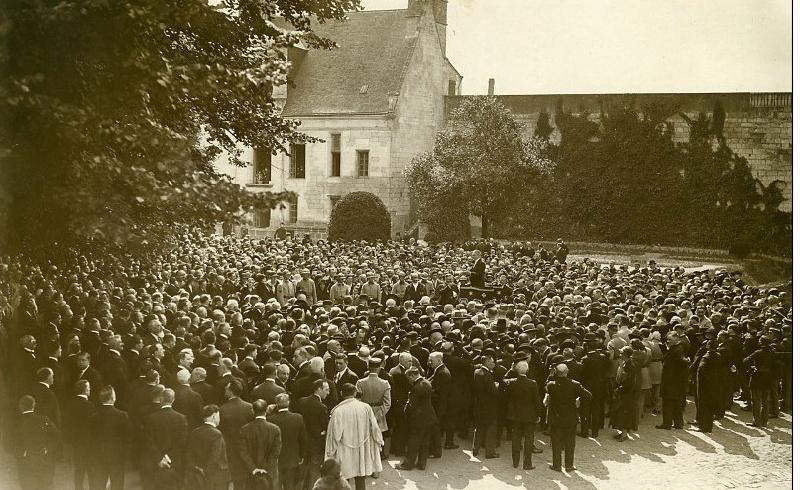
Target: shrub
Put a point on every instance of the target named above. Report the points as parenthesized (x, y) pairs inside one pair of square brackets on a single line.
[(359, 216)]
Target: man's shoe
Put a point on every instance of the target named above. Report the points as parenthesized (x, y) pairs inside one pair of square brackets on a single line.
[(421, 467), (665, 427), (554, 468), (451, 446), (595, 434), (537, 450), (570, 468), (528, 467), (515, 464), (583, 435), (492, 456), (679, 427), (434, 456), (404, 467)]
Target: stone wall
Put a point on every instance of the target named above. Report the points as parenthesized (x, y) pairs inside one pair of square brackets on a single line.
[(758, 126), (420, 111)]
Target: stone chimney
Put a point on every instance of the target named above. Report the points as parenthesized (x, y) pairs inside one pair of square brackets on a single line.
[(438, 8), (491, 86)]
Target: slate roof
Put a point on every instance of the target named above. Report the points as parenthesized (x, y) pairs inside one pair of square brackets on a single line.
[(363, 75)]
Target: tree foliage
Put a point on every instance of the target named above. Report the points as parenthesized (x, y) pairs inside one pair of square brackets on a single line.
[(113, 112), (476, 161), (360, 216), (623, 179)]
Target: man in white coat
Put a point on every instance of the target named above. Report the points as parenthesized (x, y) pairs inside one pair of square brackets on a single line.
[(354, 438)]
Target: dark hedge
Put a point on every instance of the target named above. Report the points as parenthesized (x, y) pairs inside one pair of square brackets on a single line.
[(359, 216)]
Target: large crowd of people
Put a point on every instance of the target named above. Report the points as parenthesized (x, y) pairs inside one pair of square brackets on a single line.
[(288, 364)]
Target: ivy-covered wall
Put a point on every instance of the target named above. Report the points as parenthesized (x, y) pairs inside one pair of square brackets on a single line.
[(758, 126)]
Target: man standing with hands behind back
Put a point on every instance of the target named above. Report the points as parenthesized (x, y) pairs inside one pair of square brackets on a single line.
[(564, 394)]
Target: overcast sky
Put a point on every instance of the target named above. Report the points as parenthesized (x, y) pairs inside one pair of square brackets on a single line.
[(611, 46)]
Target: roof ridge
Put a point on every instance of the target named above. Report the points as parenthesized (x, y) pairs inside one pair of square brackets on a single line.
[(408, 62)]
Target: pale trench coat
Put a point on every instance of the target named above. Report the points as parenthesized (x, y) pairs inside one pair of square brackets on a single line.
[(354, 439), (377, 393)]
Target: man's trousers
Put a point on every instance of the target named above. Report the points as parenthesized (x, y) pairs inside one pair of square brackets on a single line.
[(418, 447), (522, 431), (485, 435), (563, 439), (672, 412)]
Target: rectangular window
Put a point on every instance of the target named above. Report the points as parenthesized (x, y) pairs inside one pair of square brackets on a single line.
[(293, 209), (336, 155), (363, 163), (451, 87), (262, 166), (297, 168), (261, 218)]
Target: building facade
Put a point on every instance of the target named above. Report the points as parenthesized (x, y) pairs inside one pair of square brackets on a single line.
[(375, 102)]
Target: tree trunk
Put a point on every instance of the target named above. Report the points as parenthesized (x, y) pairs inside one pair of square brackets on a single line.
[(484, 226)]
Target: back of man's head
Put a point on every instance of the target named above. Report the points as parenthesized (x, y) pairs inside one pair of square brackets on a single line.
[(259, 407), (282, 401)]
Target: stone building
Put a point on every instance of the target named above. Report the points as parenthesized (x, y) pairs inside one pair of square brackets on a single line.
[(376, 101)]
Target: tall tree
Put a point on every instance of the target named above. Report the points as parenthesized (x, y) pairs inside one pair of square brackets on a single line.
[(113, 112), (477, 162)]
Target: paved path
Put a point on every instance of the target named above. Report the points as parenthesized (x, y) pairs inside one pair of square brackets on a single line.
[(733, 456)]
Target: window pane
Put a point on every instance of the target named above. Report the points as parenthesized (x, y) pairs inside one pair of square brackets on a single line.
[(363, 163), (262, 166), (336, 164), (298, 161), (293, 210), (336, 142)]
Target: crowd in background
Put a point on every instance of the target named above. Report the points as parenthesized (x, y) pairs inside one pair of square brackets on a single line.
[(299, 365)]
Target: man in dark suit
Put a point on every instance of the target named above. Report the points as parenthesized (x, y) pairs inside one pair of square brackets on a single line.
[(293, 441), (523, 409), (187, 401), (359, 362), (206, 453), (269, 389), (110, 435), (441, 384), (564, 394), (36, 446), (420, 419), (674, 377), (197, 381), (52, 361), (114, 369), (343, 373), (400, 390), (78, 414), (46, 401), (233, 415), (594, 378), (260, 448), (418, 350), (85, 370), (477, 273), (132, 354), (165, 433), (415, 290), (27, 362), (485, 392), (460, 395), (315, 417)]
